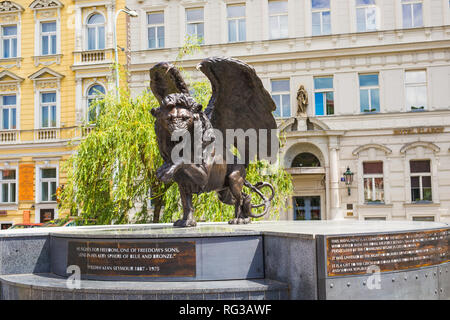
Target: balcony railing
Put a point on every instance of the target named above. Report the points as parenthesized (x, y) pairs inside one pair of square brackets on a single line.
[(9, 136), (12, 137), (46, 134), (90, 57), (93, 56)]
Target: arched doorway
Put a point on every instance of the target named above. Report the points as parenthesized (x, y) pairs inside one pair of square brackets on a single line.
[(305, 159), (306, 164)]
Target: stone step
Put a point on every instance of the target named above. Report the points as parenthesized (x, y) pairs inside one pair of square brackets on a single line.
[(46, 286)]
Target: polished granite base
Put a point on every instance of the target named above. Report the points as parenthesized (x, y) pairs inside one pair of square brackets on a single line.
[(293, 260)]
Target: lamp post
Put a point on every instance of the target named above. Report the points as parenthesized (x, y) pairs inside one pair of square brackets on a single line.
[(131, 13), (348, 176)]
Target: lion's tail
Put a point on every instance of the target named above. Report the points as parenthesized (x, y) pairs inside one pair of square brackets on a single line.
[(266, 200)]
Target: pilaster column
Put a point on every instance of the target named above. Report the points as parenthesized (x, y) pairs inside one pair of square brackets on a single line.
[(78, 29), (110, 25), (336, 211), (79, 101)]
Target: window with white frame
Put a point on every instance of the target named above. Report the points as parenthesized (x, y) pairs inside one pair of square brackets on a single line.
[(373, 182), (236, 22), (420, 171), (321, 17), (95, 93), (9, 41), (281, 96), (366, 15), (48, 184), (323, 96), (416, 90), (48, 38), (194, 23), (9, 112), (278, 19), (8, 183), (412, 12), (95, 27), (155, 29), (369, 92), (48, 110)]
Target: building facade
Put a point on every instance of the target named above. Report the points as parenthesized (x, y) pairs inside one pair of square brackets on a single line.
[(377, 77), (55, 58)]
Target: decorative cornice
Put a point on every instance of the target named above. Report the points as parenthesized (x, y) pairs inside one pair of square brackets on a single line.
[(45, 4), (37, 75), (10, 7), (372, 145), (6, 73), (424, 144), (47, 59)]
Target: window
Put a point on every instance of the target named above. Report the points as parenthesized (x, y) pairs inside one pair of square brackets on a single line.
[(307, 208), (420, 180), (375, 218), (48, 109), (94, 93), (5, 226), (321, 17), (373, 182), (423, 218), (369, 93), (48, 38), (416, 90), (282, 98), (236, 23), (366, 15), (8, 113), (9, 41), (412, 13), (8, 184), (278, 19), (324, 96), (96, 32), (155, 21), (195, 24), (305, 159), (48, 184)]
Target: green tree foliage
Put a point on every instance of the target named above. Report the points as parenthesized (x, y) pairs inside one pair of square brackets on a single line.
[(114, 168)]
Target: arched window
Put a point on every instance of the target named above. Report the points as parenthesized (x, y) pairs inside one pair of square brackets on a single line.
[(94, 93), (305, 159), (96, 32)]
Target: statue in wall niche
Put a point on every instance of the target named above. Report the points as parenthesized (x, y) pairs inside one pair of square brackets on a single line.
[(203, 161), (302, 100)]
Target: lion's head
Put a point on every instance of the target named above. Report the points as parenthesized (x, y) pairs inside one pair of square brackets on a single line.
[(177, 112)]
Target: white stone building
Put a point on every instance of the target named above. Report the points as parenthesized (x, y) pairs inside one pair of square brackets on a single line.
[(377, 74)]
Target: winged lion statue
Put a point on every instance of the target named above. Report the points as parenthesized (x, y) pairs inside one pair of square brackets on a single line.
[(239, 103)]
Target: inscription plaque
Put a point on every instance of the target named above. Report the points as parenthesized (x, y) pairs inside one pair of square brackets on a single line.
[(352, 255), (120, 258)]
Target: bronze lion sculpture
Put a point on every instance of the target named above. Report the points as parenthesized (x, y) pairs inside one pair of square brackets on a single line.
[(238, 101)]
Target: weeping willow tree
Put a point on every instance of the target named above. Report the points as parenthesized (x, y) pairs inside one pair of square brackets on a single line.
[(113, 172)]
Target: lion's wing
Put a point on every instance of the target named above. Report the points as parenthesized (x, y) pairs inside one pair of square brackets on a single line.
[(239, 99), (165, 79)]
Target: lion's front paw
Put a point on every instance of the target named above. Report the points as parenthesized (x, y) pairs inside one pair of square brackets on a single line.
[(185, 223), (165, 174), (240, 221)]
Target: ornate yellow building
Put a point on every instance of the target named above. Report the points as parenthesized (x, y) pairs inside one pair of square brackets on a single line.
[(55, 57)]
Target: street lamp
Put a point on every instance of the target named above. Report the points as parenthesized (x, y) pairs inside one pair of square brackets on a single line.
[(131, 13), (348, 176)]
